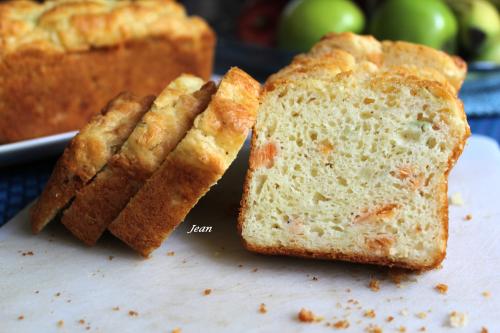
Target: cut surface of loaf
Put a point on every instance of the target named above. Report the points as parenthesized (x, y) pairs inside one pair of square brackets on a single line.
[(112, 43), (196, 164), (160, 129), (87, 153), (353, 167), (396, 54)]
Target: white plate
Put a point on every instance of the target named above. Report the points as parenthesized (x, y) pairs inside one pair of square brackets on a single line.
[(29, 150), (64, 280)]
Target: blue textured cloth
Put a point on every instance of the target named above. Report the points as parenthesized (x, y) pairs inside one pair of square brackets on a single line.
[(481, 93), (21, 184)]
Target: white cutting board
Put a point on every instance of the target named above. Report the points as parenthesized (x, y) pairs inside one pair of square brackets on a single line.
[(167, 291)]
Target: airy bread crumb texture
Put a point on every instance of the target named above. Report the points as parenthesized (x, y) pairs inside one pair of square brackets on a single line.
[(353, 165)]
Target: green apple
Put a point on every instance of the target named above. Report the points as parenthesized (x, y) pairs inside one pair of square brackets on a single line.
[(491, 50), (304, 22), (428, 22), (479, 21)]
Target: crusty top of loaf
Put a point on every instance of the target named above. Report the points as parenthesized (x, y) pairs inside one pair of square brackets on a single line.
[(390, 54), (79, 25)]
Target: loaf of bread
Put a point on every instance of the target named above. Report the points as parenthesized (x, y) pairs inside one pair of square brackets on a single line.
[(350, 155), (197, 163), (87, 154), (60, 61), (158, 132)]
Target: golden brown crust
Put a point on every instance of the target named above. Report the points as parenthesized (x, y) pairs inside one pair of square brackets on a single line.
[(394, 54), (80, 25), (399, 53), (42, 94), (363, 48), (42, 44), (159, 131), (196, 164), (302, 253), (320, 65), (86, 154)]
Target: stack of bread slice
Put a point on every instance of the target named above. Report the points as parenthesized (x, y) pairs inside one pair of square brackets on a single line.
[(139, 173), (351, 152)]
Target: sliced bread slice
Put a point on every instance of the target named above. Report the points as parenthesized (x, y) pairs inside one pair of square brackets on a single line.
[(87, 153), (353, 167), (156, 135), (195, 165)]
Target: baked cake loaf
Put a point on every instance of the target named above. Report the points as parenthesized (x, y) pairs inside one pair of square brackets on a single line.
[(197, 163), (429, 62), (60, 61), (87, 154), (353, 164), (158, 132)]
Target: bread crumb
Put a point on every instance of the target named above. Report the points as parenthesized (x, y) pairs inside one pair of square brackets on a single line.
[(348, 290), (207, 292), (87, 328), (468, 217), (374, 284), (458, 319), (170, 253), (341, 325), (177, 330), (397, 276), (402, 329), (57, 294), (21, 317), (486, 294), (389, 319), (262, 308), (423, 329), (116, 308), (456, 199), (373, 329), (403, 312), (484, 330), (133, 313), (255, 270), (28, 253), (441, 288), (307, 316), (421, 315), (240, 265), (370, 314), (60, 323), (111, 258)]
